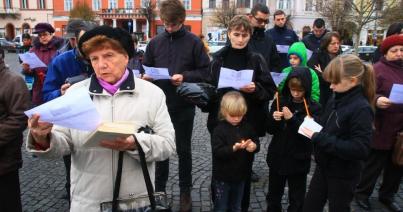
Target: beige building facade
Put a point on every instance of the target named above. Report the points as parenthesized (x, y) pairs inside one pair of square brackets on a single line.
[(19, 16)]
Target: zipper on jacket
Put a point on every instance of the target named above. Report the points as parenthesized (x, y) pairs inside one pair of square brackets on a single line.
[(113, 154)]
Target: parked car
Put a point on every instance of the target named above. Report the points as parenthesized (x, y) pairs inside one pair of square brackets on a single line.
[(214, 46), (7, 45), (142, 45), (366, 52), (345, 48)]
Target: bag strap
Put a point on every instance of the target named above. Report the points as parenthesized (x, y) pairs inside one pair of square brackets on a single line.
[(146, 174), (116, 190)]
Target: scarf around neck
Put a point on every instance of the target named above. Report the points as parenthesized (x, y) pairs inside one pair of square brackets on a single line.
[(112, 88)]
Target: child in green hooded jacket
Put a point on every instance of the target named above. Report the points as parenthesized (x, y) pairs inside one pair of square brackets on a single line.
[(297, 55)]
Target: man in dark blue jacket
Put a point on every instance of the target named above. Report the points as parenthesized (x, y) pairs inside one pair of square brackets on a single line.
[(184, 55), (282, 36), (261, 42), (312, 40), (63, 66)]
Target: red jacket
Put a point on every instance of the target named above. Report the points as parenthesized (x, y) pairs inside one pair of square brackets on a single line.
[(387, 121)]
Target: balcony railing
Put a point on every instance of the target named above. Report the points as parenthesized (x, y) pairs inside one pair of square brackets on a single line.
[(10, 11), (122, 13)]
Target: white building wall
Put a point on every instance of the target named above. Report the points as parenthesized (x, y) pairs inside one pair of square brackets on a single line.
[(300, 17)]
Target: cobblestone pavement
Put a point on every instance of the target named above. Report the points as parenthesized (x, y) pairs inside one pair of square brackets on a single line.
[(42, 181)]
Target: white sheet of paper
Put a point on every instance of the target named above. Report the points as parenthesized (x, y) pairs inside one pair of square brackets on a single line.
[(282, 48), (396, 94), (32, 60), (309, 53), (278, 77), (234, 79), (157, 73), (73, 110), (310, 124), (136, 73)]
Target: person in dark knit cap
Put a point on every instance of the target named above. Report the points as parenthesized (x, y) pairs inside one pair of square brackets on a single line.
[(67, 64), (118, 96)]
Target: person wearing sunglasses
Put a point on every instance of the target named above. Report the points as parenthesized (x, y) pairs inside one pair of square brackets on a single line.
[(261, 42), (282, 36)]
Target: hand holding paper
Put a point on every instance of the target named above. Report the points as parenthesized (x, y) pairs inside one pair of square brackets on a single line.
[(157, 73), (234, 79), (32, 60), (309, 127), (396, 94), (73, 110)]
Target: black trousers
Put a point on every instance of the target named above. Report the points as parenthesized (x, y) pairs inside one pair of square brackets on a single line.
[(10, 195), (296, 191), (338, 191), (67, 165), (183, 124), (379, 160), (246, 194)]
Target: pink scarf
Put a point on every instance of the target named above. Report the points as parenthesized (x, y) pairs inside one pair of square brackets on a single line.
[(115, 87)]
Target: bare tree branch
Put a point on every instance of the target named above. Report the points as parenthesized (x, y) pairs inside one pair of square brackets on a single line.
[(222, 16)]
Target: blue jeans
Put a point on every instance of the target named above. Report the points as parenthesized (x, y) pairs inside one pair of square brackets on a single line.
[(228, 195)]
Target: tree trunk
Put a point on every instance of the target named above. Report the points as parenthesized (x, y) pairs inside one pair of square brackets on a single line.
[(357, 39)]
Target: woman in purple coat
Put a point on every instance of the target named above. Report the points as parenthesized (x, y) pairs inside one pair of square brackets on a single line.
[(388, 122), (45, 47)]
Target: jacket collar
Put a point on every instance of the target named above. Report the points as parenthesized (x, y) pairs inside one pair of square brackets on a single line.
[(175, 35), (348, 96), (127, 85), (393, 64), (224, 51), (258, 33)]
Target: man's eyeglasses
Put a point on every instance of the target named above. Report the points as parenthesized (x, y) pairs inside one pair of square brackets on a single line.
[(261, 20)]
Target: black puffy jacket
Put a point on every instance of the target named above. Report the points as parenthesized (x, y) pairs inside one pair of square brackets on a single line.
[(343, 144)]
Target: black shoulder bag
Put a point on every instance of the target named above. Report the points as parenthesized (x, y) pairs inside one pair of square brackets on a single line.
[(154, 201)]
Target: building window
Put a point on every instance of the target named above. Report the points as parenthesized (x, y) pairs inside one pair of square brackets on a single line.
[(68, 5), (284, 4), (8, 4), (112, 4), (243, 3), (41, 4), (259, 2), (225, 3), (24, 4), (187, 4), (96, 5), (308, 5), (128, 4), (211, 4)]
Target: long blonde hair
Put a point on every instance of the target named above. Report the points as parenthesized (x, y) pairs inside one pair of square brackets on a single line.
[(233, 104), (347, 66)]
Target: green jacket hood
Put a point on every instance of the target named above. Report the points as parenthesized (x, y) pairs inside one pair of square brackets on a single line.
[(299, 49)]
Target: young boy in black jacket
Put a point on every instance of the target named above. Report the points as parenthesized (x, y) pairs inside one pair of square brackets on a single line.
[(234, 142), (289, 153)]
